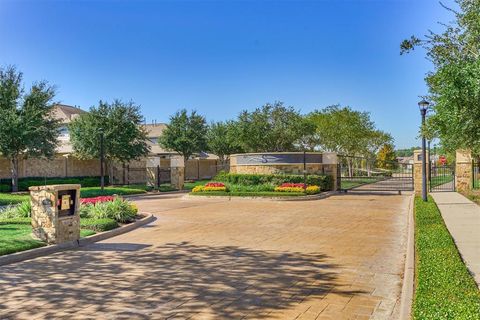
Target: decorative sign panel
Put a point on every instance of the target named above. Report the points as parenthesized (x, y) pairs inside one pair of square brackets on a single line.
[(277, 158)]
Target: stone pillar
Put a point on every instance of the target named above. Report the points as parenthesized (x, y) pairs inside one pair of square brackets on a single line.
[(177, 172), (152, 167), (330, 166), (417, 171), (463, 170), (55, 212)]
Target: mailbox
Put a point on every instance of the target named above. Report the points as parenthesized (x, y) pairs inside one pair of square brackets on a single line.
[(55, 212)]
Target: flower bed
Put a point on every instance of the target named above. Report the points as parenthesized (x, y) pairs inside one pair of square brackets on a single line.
[(211, 186), (95, 200), (297, 187)]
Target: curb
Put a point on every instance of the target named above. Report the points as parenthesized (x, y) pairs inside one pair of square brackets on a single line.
[(43, 251), (319, 196), (151, 194), (406, 298)]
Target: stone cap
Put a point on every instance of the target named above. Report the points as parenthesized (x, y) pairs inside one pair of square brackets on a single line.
[(417, 156), (55, 187)]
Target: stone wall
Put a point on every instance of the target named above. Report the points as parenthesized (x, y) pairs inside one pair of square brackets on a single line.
[(196, 169), (327, 167), (417, 171)]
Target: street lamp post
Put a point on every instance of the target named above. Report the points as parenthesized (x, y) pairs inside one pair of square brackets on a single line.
[(423, 105), (102, 160)]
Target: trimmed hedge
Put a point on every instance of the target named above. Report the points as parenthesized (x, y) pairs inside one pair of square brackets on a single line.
[(444, 287), (325, 182), (99, 225), (25, 183)]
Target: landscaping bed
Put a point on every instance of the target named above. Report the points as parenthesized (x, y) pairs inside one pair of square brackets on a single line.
[(257, 185), (98, 214), (444, 287)]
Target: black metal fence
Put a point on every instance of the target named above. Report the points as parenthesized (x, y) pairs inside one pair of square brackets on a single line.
[(362, 174), (155, 176), (475, 174), (441, 178)]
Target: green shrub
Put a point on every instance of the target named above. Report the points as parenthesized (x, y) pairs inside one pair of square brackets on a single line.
[(22, 210), (325, 182), (444, 287), (118, 210), (109, 191), (25, 183), (99, 225)]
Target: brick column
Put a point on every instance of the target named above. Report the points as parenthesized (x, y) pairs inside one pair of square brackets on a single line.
[(417, 171), (463, 170), (177, 172)]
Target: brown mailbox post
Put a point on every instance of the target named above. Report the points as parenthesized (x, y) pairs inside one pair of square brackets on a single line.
[(55, 212)]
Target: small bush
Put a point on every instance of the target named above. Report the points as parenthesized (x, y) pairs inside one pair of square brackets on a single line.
[(98, 225), (22, 210), (119, 210)]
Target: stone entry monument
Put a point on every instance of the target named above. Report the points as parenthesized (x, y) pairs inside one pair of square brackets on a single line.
[(55, 212), (177, 172), (417, 171)]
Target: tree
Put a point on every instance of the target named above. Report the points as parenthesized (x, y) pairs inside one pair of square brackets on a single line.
[(454, 85), (125, 138), (346, 131), (27, 126), (386, 156), (222, 140), (271, 128), (185, 134)]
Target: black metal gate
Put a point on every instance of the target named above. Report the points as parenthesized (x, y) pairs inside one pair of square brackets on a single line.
[(442, 178), (362, 174)]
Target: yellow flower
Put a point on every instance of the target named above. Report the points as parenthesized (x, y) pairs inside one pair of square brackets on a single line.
[(198, 189)]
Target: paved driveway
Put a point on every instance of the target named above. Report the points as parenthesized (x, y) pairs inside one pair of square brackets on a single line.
[(337, 258)]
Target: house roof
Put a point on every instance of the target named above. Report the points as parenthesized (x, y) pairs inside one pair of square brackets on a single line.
[(155, 130), (66, 113)]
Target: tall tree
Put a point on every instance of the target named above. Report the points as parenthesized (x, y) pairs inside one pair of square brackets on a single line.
[(222, 140), (273, 127), (185, 134), (386, 156), (27, 126), (454, 84), (347, 131), (125, 138)]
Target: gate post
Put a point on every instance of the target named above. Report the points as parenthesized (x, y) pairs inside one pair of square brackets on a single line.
[(330, 167), (177, 172), (463, 170), (417, 171)]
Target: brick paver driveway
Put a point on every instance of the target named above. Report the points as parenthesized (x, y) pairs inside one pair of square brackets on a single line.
[(338, 258)]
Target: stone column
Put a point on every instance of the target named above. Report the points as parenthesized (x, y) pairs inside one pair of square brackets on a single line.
[(55, 212), (417, 171), (330, 165), (152, 167), (463, 170), (177, 172)]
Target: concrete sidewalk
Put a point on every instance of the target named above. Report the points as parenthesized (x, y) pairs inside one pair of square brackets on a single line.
[(462, 218)]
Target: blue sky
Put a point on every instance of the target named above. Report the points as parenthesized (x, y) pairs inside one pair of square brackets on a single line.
[(220, 57)]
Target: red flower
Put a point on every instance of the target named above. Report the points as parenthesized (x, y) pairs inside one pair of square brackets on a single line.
[(215, 184), (292, 185), (96, 200)]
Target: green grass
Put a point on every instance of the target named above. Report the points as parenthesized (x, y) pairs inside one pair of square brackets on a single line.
[(7, 198), (192, 184), (348, 183), (249, 194), (444, 287), (17, 237), (109, 191), (86, 232), (439, 180)]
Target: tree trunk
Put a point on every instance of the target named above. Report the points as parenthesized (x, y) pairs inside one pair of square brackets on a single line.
[(14, 169)]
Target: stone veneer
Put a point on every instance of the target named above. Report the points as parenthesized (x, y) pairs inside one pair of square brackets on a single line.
[(417, 171), (177, 172), (46, 223), (463, 170)]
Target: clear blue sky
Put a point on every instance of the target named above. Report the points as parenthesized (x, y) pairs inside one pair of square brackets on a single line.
[(220, 57)]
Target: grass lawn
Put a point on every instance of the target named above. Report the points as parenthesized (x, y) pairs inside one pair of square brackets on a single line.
[(17, 237), (349, 183), (444, 287), (192, 184), (249, 194), (7, 198), (439, 180), (109, 191)]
